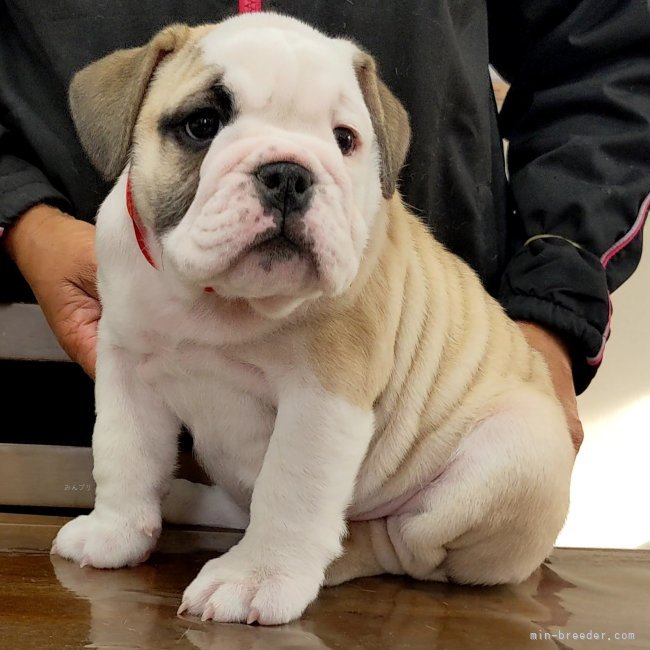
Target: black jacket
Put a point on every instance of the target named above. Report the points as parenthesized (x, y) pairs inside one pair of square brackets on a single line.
[(577, 118)]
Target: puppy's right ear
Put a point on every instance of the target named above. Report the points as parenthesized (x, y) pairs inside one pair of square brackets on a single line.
[(106, 96), (389, 120)]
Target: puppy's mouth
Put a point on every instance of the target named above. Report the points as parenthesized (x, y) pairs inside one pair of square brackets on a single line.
[(277, 249), (276, 246)]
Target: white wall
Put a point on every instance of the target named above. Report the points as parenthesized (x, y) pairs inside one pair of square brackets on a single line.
[(611, 480)]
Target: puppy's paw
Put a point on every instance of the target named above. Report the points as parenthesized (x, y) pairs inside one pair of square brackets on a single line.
[(232, 590), (106, 541)]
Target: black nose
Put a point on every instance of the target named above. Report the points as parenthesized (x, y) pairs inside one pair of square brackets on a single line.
[(284, 186)]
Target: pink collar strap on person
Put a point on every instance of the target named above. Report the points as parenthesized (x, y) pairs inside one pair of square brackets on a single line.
[(249, 6)]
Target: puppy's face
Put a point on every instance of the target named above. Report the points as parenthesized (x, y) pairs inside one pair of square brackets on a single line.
[(256, 162)]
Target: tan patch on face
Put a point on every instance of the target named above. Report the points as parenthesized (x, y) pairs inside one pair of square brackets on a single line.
[(177, 78), (166, 173)]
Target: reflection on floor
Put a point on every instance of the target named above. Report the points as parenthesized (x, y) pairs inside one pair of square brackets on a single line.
[(48, 602)]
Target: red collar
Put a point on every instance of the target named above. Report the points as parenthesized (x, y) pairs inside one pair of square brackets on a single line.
[(139, 229), (137, 223)]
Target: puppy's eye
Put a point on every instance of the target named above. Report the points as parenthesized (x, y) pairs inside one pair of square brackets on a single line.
[(203, 125), (345, 139)]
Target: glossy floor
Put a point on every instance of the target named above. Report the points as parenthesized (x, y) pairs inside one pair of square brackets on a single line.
[(50, 603)]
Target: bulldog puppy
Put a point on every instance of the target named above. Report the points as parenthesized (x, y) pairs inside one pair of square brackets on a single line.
[(350, 386)]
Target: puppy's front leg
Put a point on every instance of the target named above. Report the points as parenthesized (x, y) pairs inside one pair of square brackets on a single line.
[(297, 514), (134, 450)]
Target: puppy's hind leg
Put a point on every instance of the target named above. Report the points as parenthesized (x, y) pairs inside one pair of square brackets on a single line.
[(367, 551), (202, 505), (494, 514)]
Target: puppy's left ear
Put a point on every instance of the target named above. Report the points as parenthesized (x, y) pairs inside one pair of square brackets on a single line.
[(106, 96), (389, 120)]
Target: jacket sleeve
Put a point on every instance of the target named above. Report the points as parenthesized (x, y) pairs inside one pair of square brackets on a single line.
[(577, 118), (22, 183)]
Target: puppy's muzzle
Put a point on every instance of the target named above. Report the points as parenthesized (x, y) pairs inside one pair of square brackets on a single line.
[(285, 190)]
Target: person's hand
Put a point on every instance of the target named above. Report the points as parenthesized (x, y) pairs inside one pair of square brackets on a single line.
[(56, 255), (558, 360)]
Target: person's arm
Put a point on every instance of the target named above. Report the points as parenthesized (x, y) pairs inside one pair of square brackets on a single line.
[(54, 252), (577, 117)]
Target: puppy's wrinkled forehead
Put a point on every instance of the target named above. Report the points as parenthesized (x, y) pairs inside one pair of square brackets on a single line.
[(281, 70)]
